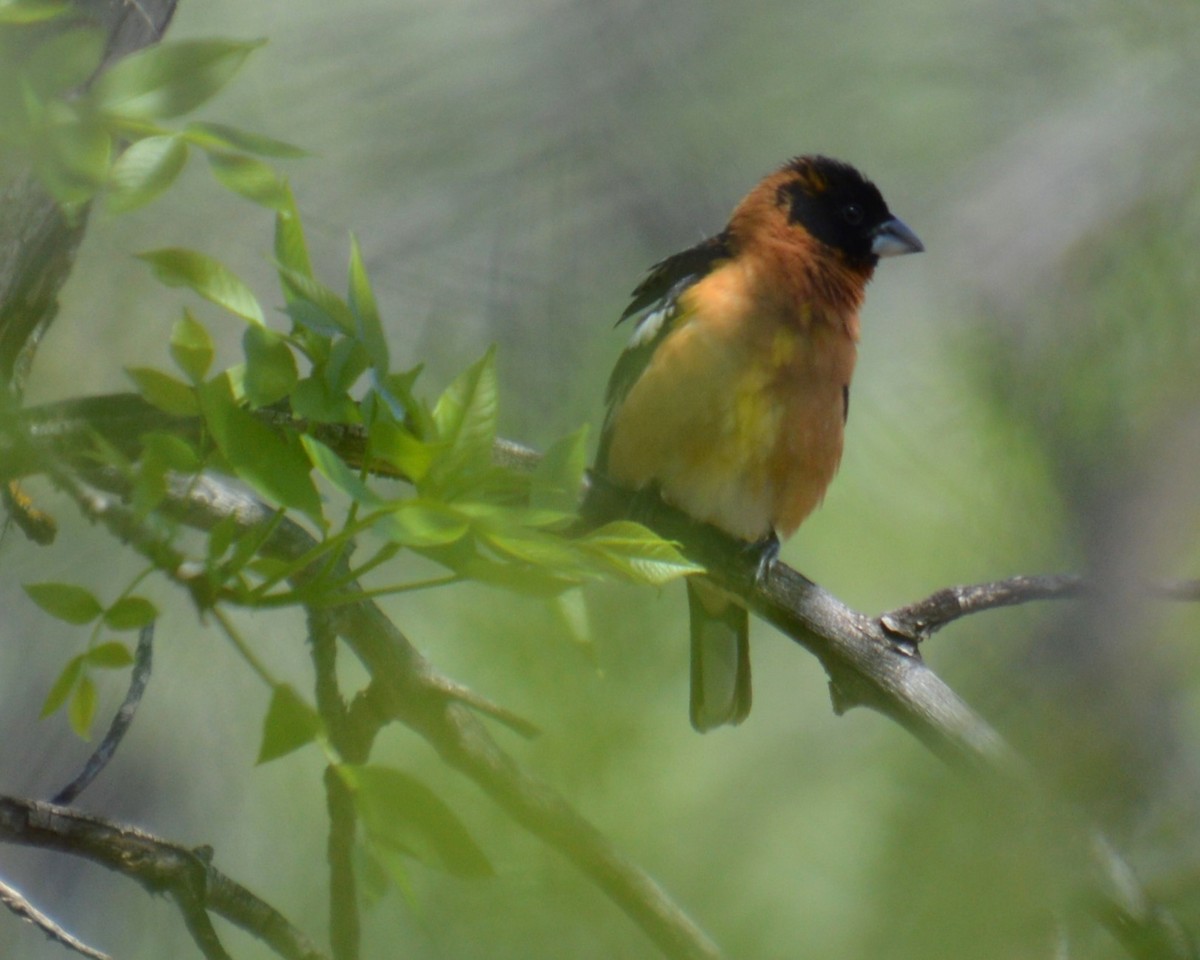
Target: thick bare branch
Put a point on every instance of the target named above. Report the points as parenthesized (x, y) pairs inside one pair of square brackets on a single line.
[(868, 664), (158, 865)]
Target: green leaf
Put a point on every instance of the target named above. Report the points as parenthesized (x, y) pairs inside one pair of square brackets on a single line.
[(346, 363), (177, 267), (65, 601), (168, 79), (73, 152), (81, 711), (333, 468), (423, 523), (313, 305), (559, 556), (276, 468), (250, 178), (313, 400), (191, 347), (400, 812), (395, 391), (163, 391), (270, 366), (366, 311), (146, 169), (32, 11), (64, 61), (218, 136), (638, 554), (290, 723), (130, 613), (63, 684), (558, 478), (465, 419), (394, 445), (174, 452), (109, 656), (291, 249)]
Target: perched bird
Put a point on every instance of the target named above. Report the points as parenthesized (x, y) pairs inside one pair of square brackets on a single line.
[(732, 394)]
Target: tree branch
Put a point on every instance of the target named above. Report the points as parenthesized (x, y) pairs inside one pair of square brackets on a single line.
[(14, 901), (870, 661), (142, 662), (919, 621), (158, 865)]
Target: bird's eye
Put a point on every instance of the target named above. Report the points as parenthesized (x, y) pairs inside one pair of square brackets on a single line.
[(852, 213)]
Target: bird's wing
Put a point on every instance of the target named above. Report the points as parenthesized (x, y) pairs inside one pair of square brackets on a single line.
[(657, 295)]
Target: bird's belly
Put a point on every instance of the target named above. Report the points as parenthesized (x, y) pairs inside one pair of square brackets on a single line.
[(736, 439)]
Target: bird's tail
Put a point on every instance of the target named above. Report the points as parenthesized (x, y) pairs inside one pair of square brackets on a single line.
[(720, 656)]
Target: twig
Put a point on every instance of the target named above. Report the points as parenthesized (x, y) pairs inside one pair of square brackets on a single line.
[(15, 901), (157, 864), (919, 621), (406, 687), (868, 664), (142, 662), (344, 929)]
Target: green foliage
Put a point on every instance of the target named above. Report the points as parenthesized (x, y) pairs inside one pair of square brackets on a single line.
[(290, 723), (76, 605), (207, 277), (475, 518), (72, 132), (401, 814)]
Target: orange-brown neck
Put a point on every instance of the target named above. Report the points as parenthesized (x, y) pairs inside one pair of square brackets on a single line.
[(795, 268)]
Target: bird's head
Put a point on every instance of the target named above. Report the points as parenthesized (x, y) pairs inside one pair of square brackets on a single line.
[(837, 206)]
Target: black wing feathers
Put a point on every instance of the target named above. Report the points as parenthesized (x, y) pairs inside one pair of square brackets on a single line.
[(666, 274)]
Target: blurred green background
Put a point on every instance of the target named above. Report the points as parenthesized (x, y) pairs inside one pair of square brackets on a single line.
[(1026, 401)]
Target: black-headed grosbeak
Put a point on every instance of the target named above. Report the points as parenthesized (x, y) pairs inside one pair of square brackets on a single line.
[(731, 397)]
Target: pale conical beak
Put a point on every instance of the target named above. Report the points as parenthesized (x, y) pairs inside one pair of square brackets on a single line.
[(893, 238)]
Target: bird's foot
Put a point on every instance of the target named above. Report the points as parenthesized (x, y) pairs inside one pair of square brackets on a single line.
[(766, 551)]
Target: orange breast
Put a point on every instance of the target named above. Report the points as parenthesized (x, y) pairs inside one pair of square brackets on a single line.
[(738, 416)]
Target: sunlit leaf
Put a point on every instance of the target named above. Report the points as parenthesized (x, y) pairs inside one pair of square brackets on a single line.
[(264, 459), (423, 523), (558, 478), (366, 311), (399, 811), (218, 136), (177, 267), (290, 723), (168, 79), (191, 347), (638, 554), (312, 399), (270, 370), (465, 419), (393, 444), (81, 709), (130, 613), (65, 601), (172, 450), (146, 169), (313, 305), (32, 11), (249, 177), (334, 469), (63, 684), (109, 656), (163, 391), (347, 361), (291, 249), (63, 61)]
